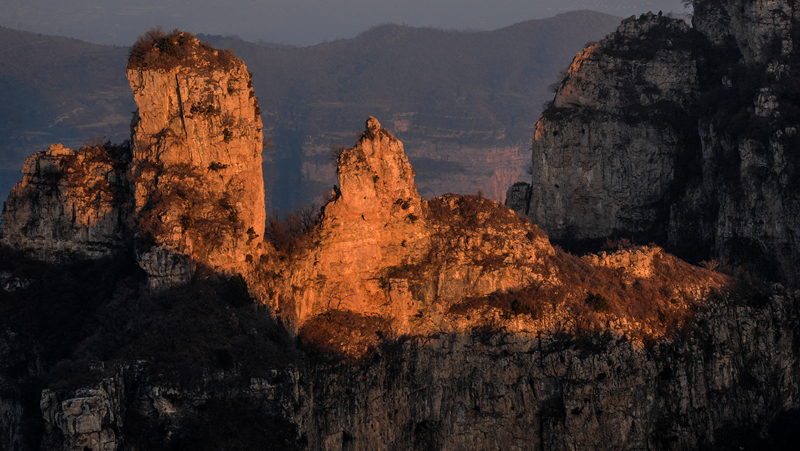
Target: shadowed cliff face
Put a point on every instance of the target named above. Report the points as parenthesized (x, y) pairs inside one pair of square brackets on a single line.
[(681, 136), (616, 123)]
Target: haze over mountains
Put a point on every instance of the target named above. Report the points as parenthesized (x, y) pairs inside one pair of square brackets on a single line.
[(455, 98), (297, 22)]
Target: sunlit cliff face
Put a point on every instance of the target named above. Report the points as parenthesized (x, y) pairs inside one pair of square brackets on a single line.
[(382, 262), (196, 168)]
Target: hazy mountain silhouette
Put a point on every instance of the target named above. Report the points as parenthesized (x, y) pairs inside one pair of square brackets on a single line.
[(57, 90), (476, 90), (484, 88), (305, 22)]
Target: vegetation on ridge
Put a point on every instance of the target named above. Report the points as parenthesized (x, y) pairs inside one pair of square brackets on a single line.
[(101, 311), (159, 50)]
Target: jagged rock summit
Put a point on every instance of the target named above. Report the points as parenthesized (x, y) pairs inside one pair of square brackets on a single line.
[(69, 203), (189, 190), (387, 263)]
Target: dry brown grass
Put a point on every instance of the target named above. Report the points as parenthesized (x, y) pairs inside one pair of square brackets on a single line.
[(458, 214), (159, 50), (206, 219), (654, 307), (342, 335), (457, 219), (292, 232)]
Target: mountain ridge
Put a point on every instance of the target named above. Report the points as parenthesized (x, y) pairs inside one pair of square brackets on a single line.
[(385, 320), (304, 108)]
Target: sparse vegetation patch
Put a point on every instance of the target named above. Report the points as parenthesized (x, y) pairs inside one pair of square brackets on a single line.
[(159, 50)]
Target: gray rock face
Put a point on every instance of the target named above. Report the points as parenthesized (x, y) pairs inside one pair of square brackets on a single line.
[(483, 392), (612, 126), (518, 197), (758, 28), (682, 136), (11, 412), (88, 419)]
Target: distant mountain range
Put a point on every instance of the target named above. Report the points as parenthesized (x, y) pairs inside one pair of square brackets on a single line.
[(306, 22), (464, 103)]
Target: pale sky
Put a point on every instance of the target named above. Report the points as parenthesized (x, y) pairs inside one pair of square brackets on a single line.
[(297, 22)]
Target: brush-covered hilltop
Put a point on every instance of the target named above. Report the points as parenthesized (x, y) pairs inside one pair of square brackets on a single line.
[(145, 306)]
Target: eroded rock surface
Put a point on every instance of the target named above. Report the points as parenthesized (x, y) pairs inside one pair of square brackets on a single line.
[(196, 165), (89, 419), (70, 203), (188, 192), (682, 136), (380, 250), (476, 390), (611, 127)]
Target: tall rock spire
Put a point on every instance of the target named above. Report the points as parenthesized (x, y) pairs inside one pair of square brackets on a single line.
[(196, 169)]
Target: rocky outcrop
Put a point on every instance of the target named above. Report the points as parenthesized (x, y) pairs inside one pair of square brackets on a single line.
[(197, 145), (745, 201), (401, 323), (759, 29), (70, 203), (615, 123), (375, 219), (188, 192), (90, 419), (448, 163), (444, 324), (381, 250), (679, 136), (521, 391)]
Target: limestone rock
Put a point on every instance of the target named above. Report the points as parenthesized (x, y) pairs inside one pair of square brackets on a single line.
[(166, 268), (477, 390), (383, 252), (518, 197), (613, 125), (89, 420), (189, 192), (197, 143), (70, 203), (680, 136), (374, 220), (756, 28)]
